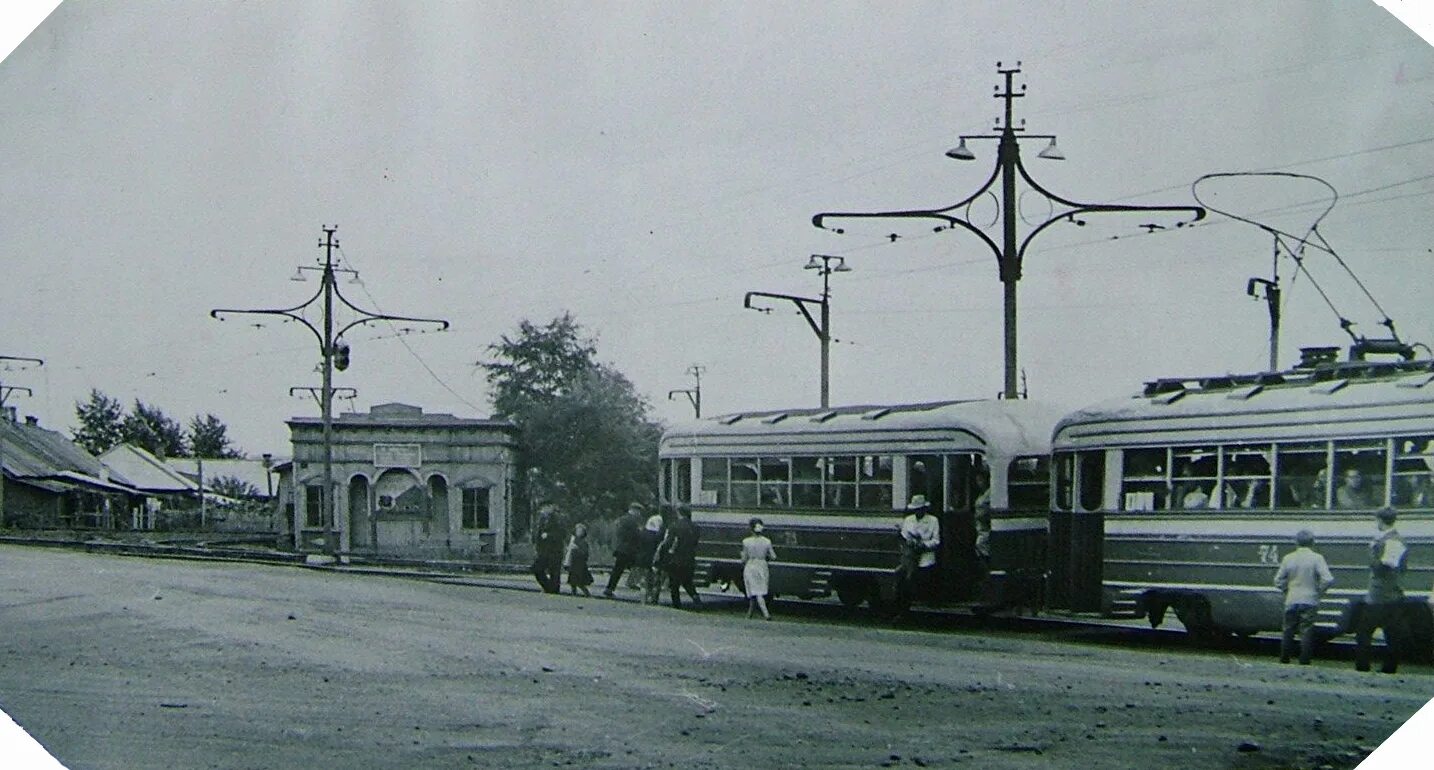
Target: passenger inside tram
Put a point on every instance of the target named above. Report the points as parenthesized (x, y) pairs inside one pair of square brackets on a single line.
[(1352, 491)]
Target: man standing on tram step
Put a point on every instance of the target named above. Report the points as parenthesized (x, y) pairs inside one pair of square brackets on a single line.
[(680, 545), (1303, 577), (627, 544), (1384, 604), (548, 548), (920, 537)]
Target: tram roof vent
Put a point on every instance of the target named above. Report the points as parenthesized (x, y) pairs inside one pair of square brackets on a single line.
[(1156, 387), (774, 419), (1246, 393), (1330, 386), (1169, 397), (824, 416), (876, 414), (729, 419), (1417, 382)]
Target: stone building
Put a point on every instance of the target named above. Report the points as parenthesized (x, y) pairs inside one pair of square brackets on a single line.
[(407, 483)]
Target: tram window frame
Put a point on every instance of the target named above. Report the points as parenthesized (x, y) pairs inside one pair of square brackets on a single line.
[(1195, 469), (1370, 458), (1244, 489), (1412, 472), (1145, 479), (681, 476), (839, 485), (807, 488), (874, 483), (714, 479), (1303, 489), (1028, 489), (1090, 479), (774, 482), (1063, 471), (744, 491)]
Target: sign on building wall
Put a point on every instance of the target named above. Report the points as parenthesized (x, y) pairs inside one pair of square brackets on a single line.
[(397, 455)]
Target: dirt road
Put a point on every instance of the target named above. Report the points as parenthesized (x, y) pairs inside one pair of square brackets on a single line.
[(116, 662)]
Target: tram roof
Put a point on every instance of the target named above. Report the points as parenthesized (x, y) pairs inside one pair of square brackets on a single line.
[(1012, 427), (1332, 401)]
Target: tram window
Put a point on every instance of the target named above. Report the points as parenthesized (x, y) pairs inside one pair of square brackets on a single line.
[(744, 478), (1145, 484), (840, 486), (682, 476), (714, 479), (1413, 483), (1359, 467), (1028, 483), (966, 480), (807, 482), (1092, 480), (1065, 480), (1301, 475), (1247, 475), (776, 480), (1195, 472), (874, 484)]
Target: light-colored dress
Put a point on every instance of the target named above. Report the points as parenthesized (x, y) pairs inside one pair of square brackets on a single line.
[(756, 552)]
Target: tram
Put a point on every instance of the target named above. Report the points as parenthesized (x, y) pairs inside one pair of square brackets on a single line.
[(831, 486), (1185, 497)]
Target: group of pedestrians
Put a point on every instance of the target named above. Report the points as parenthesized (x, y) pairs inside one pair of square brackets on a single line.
[(654, 552), (1304, 577)]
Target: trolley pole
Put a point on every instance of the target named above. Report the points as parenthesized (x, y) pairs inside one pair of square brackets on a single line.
[(20, 362), (335, 355), (694, 393), (1011, 249), (825, 264), (1271, 288)]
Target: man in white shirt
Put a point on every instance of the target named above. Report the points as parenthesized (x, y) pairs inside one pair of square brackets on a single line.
[(1303, 576), (920, 536)]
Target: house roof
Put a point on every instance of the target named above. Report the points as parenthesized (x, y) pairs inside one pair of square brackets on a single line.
[(146, 472), (244, 469), (34, 454), (404, 415)]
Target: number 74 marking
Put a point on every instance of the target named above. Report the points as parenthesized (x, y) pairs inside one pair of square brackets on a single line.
[(1269, 554)]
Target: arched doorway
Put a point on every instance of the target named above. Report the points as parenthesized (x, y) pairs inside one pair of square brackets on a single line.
[(361, 529), (402, 510)]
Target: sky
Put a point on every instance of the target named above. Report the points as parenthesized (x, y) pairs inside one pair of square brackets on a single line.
[(643, 165)]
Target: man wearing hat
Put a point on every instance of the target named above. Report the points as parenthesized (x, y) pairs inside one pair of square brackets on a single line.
[(1384, 603), (920, 536), (627, 537)]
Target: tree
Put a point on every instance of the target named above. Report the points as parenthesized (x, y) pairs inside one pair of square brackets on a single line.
[(209, 437), (233, 487), (101, 421), (149, 428), (587, 441)]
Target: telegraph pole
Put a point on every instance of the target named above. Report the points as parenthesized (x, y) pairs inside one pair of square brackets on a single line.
[(334, 351), (21, 362), (1011, 249), (694, 393), (825, 264)]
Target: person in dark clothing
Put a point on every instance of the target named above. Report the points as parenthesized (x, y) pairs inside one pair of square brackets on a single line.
[(579, 577), (647, 557), (680, 546), (1384, 603), (627, 546), (548, 548)]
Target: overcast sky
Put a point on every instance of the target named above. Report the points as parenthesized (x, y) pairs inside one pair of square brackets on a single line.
[(642, 165)]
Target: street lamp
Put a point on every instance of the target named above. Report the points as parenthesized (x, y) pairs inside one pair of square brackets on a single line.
[(824, 264), (334, 351), (1012, 248)]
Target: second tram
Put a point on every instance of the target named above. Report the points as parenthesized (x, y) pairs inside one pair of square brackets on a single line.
[(1184, 498)]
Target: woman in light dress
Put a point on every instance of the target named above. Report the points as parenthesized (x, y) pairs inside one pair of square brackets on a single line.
[(756, 552)]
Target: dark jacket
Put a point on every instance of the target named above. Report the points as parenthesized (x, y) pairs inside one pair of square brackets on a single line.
[(628, 536), (1384, 578), (683, 535)]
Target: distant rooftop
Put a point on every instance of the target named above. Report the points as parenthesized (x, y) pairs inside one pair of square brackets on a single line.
[(402, 414)]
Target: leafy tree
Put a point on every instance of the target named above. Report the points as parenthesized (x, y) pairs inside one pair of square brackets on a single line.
[(149, 428), (209, 437), (233, 486), (101, 421), (587, 441)]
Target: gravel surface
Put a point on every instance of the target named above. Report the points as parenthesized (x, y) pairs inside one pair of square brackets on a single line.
[(119, 662)]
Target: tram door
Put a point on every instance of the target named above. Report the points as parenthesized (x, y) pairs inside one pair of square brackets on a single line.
[(947, 482)]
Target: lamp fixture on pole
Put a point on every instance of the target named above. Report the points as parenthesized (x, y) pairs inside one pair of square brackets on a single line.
[(1011, 248), (824, 264)]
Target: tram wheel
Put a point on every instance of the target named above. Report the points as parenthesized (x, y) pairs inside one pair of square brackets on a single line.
[(852, 593)]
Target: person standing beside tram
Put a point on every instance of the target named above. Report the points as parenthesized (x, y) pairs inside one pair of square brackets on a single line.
[(920, 537), (627, 548), (757, 552), (1303, 577), (1384, 603)]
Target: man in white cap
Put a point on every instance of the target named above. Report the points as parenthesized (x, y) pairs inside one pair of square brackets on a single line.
[(920, 536)]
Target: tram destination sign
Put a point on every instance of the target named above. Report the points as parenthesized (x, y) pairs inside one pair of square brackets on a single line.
[(397, 455)]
